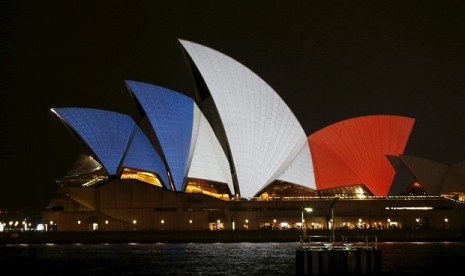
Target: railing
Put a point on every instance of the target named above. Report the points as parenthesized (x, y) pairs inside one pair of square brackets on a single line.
[(345, 243)]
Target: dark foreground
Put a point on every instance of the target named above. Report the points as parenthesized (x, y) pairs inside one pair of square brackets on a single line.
[(224, 236)]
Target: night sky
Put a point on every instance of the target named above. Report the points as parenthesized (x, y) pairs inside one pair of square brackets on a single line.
[(328, 60)]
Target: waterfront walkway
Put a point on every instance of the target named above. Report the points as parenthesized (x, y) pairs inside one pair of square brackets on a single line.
[(221, 236)]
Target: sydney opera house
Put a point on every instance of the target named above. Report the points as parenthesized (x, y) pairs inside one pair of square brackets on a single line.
[(236, 157)]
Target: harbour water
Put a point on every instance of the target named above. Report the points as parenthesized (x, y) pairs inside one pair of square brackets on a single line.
[(245, 258)]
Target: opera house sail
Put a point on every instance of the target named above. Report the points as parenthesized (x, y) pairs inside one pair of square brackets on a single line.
[(354, 151), (264, 137)]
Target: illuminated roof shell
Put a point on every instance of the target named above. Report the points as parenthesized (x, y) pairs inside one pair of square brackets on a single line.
[(209, 161), (171, 115), (142, 156), (106, 133), (263, 135), (354, 151)]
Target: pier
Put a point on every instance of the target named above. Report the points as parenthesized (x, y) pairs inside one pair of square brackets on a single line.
[(352, 255)]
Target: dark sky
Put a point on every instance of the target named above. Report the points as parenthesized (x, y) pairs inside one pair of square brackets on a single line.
[(328, 60)]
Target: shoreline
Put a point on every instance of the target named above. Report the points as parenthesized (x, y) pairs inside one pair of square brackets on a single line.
[(232, 236)]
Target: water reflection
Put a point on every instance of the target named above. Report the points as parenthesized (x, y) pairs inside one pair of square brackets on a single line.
[(211, 258)]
